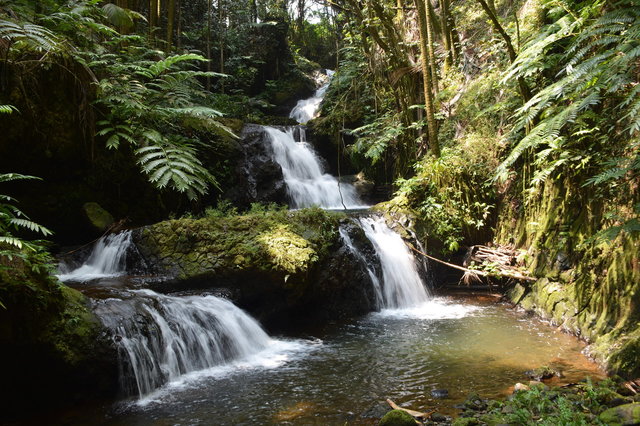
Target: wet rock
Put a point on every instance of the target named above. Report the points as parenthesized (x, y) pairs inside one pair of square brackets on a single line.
[(474, 402), (397, 418), (622, 415), (256, 176), (439, 393), (439, 418), (542, 373), (519, 387)]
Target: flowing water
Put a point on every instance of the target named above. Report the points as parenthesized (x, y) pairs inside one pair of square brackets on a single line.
[(307, 109), (307, 183), (338, 372), (107, 259), (198, 359), (161, 338)]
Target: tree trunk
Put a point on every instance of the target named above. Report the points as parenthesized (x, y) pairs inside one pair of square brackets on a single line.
[(446, 36), (209, 13), (430, 41), (525, 92), (171, 12), (223, 29), (153, 18), (426, 79)]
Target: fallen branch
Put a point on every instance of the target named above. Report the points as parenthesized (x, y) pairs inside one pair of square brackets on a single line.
[(477, 272), (412, 413)]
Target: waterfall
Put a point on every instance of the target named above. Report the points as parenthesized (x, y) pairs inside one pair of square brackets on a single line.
[(307, 183), (375, 282), (307, 109), (107, 259), (160, 338), (402, 286)]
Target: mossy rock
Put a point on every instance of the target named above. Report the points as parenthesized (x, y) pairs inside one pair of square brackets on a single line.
[(627, 414), (99, 218), (397, 418)]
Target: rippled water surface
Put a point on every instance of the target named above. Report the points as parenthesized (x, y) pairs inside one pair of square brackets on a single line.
[(336, 374)]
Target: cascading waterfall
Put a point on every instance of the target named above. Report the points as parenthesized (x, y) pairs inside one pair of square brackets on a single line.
[(107, 259), (307, 183), (160, 338), (307, 109), (402, 286)]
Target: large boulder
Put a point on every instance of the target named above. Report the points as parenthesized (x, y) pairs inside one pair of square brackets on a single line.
[(627, 414), (282, 266), (55, 351)]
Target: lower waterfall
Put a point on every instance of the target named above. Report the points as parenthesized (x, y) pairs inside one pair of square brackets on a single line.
[(160, 338)]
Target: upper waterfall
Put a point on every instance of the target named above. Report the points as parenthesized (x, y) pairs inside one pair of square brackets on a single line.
[(107, 259), (307, 109), (307, 183)]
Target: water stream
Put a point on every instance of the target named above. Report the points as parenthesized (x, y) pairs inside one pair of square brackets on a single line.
[(107, 259), (199, 359)]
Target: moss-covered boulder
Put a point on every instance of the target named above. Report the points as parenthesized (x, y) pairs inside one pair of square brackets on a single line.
[(280, 265), (98, 218), (53, 348), (627, 414), (397, 418)]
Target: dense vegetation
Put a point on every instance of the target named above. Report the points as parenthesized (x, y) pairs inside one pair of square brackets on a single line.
[(508, 121)]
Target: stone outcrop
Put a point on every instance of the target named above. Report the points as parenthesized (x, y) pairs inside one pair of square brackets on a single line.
[(284, 267)]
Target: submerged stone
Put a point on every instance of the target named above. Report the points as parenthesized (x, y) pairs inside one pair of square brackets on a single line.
[(439, 393)]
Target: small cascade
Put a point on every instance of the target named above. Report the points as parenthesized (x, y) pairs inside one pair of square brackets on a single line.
[(402, 286), (108, 259), (307, 109), (307, 183), (160, 338)]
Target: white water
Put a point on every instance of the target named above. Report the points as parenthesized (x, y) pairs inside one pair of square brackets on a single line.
[(307, 183), (402, 287), (108, 259), (307, 109), (173, 336)]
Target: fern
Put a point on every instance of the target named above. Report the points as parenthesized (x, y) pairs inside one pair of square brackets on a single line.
[(175, 166), (600, 53)]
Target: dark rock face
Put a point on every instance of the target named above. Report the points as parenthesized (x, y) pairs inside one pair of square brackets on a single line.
[(257, 177)]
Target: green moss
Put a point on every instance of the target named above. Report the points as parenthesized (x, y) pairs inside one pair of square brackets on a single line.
[(627, 414), (397, 418), (288, 250), (267, 241), (99, 218)]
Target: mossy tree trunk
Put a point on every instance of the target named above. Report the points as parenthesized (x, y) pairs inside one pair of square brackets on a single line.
[(423, 22)]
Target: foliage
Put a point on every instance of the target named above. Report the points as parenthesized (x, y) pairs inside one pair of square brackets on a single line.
[(452, 195), (147, 102), (578, 404), (584, 121)]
